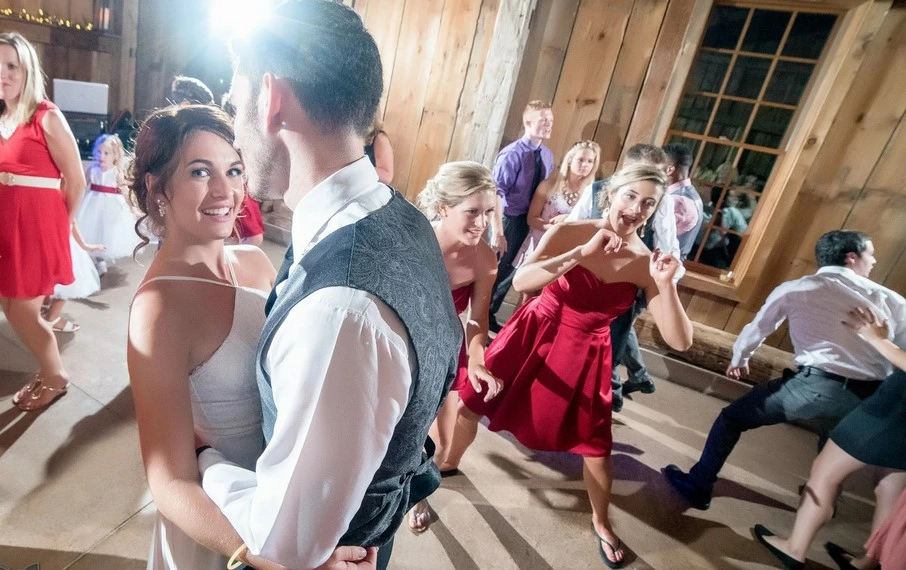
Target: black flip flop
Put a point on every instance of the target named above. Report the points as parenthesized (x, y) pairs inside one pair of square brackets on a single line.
[(606, 559)]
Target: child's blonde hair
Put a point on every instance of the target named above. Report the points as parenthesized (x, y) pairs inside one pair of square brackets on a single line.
[(118, 150)]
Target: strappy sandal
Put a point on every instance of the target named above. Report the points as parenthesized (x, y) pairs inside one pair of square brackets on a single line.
[(613, 548), (69, 327), (29, 398)]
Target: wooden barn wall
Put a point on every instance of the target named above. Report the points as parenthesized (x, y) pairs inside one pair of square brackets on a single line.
[(79, 55), (433, 54)]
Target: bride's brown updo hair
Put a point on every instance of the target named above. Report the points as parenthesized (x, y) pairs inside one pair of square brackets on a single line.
[(157, 148)]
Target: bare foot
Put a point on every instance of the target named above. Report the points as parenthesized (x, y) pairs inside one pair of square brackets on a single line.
[(419, 518)]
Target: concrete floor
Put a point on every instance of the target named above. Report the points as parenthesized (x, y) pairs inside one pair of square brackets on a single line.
[(73, 493)]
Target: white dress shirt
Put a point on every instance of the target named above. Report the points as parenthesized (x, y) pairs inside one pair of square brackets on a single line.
[(664, 224), (340, 367), (816, 306)]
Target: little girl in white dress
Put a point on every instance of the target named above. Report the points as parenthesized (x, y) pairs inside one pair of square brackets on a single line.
[(104, 215)]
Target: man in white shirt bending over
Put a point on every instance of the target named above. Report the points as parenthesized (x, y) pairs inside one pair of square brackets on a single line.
[(837, 369), (361, 343)]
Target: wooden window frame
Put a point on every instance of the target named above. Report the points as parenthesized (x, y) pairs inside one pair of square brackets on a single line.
[(837, 66)]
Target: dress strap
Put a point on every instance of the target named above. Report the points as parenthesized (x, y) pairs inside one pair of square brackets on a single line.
[(184, 278), (229, 261)]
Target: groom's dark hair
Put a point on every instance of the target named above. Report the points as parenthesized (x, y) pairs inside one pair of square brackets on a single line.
[(323, 49)]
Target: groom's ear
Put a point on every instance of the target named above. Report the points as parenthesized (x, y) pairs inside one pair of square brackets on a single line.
[(272, 102)]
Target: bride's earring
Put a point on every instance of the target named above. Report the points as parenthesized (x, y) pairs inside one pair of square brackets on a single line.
[(642, 232), (160, 209)]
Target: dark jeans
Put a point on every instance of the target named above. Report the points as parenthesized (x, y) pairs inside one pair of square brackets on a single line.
[(383, 555), (515, 230), (796, 396), (620, 329)]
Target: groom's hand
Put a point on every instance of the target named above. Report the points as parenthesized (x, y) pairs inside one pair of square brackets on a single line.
[(351, 558)]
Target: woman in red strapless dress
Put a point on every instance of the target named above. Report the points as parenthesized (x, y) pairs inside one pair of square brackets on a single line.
[(41, 183), (461, 199), (554, 354)]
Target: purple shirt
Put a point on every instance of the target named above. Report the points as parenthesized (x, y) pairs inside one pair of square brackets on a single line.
[(514, 173)]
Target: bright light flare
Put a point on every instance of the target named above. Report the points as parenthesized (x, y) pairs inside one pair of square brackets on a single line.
[(238, 17)]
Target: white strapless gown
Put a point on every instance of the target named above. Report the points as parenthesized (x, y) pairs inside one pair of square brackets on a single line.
[(226, 409)]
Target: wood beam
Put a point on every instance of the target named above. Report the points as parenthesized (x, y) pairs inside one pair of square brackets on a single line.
[(498, 80)]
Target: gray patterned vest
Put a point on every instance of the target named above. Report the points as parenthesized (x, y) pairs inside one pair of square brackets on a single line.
[(393, 254)]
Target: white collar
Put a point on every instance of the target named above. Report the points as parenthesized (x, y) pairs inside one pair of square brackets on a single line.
[(326, 199)]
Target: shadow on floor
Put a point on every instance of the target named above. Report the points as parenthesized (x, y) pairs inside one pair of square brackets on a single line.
[(19, 558)]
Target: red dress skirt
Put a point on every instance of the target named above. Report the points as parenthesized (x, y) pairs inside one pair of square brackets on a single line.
[(461, 298), (34, 222), (554, 358)]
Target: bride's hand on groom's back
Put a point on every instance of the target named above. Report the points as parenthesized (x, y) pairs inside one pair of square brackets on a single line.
[(351, 558)]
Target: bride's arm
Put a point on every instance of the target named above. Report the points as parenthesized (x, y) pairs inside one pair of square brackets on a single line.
[(158, 357)]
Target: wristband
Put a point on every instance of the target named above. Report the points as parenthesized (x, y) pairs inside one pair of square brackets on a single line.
[(235, 561)]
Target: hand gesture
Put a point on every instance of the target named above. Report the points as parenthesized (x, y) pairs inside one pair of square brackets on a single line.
[(558, 219), (351, 558), (95, 247), (604, 241), (662, 267), (737, 372), (479, 374), (867, 324)]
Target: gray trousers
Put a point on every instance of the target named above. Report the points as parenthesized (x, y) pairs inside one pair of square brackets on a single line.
[(796, 396)]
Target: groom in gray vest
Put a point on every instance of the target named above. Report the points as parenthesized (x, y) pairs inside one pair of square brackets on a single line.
[(360, 347)]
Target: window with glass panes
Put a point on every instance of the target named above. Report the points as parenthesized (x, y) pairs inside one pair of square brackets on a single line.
[(744, 89)]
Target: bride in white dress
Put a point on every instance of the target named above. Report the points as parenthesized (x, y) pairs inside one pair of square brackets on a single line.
[(193, 334)]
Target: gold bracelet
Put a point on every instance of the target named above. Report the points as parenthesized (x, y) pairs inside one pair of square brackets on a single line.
[(234, 561)]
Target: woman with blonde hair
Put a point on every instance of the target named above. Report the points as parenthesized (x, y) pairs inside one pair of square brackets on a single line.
[(555, 197), (554, 354), (460, 200), (41, 184)]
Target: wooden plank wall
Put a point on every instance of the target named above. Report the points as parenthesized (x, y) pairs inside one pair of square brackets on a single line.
[(433, 53), (79, 55)]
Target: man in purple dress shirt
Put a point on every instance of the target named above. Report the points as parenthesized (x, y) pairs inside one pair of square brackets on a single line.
[(518, 169)]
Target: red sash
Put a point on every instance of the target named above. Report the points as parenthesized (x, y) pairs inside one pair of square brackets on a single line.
[(105, 189)]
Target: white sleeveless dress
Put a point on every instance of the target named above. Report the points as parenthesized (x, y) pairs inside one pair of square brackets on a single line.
[(226, 411), (105, 217)]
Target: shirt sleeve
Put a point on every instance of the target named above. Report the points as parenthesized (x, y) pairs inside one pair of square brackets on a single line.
[(340, 373), (506, 171), (582, 209), (664, 227), (898, 318), (769, 318)]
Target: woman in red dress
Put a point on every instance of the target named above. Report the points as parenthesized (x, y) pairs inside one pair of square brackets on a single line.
[(554, 354), (41, 183), (460, 201)]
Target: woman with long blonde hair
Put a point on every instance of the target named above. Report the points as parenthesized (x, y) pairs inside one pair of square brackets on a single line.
[(41, 184), (554, 354)]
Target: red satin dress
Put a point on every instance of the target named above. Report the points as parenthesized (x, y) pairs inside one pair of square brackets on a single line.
[(461, 298), (34, 222), (554, 358)]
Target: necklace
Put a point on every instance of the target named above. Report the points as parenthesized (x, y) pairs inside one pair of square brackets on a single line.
[(570, 197), (7, 127)]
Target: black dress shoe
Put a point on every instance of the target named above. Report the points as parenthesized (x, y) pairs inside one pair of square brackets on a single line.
[(631, 386), (790, 563), (680, 482), (840, 556)]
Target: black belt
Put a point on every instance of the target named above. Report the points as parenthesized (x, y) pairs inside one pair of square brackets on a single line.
[(862, 388)]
